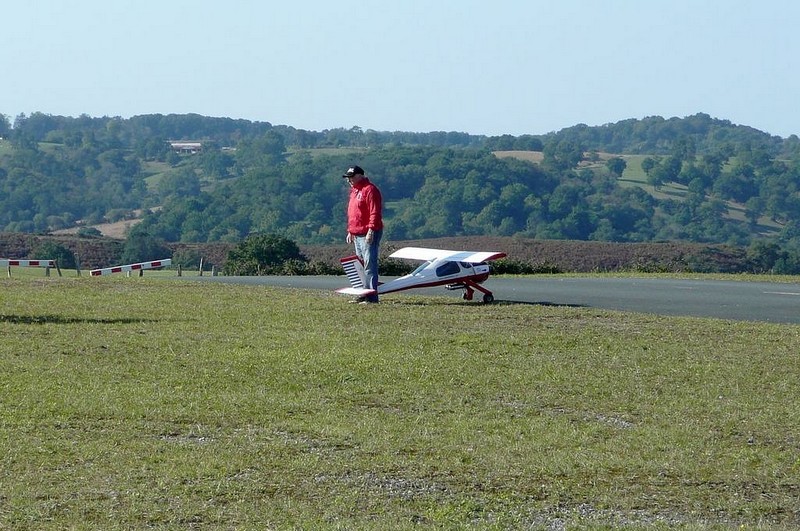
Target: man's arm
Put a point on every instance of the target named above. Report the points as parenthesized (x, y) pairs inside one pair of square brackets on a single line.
[(374, 201)]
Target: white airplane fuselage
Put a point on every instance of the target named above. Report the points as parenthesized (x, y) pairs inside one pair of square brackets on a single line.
[(437, 273)]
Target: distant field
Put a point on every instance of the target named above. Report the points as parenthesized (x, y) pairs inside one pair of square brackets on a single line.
[(531, 156), (154, 172), (131, 403), (634, 175), (118, 229)]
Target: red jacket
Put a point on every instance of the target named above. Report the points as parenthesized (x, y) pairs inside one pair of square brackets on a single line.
[(364, 208)]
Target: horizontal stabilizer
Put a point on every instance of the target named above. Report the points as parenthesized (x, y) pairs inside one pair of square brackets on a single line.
[(358, 292), (354, 269)]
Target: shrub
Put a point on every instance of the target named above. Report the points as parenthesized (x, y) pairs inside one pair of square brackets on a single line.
[(265, 254), (89, 232), (187, 258), (517, 267), (48, 250), (140, 246)]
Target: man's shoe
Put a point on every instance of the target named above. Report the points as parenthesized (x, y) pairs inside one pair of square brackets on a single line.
[(358, 300)]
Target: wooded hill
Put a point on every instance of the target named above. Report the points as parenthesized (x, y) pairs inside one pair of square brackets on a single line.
[(693, 179)]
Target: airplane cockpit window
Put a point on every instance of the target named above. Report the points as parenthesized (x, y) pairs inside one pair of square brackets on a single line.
[(421, 267), (447, 268)]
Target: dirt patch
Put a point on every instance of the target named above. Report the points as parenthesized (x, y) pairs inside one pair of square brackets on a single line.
[(117, 230), (538, 156), (530, 156)]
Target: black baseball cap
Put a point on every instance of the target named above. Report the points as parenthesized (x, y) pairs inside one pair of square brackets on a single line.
[(353, 170)]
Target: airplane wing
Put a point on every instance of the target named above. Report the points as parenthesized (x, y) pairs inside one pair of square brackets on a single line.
[(424, 254)]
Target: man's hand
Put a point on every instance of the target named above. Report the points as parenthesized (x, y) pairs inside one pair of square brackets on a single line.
[(349, 238), (369, 237)]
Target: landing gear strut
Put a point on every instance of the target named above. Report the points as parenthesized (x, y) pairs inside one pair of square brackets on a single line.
[(469, 288)]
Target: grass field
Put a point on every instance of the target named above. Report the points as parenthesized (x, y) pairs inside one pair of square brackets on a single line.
[(130, 403)]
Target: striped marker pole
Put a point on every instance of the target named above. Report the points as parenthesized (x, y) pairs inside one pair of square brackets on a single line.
[(7, 262), (131, 267)]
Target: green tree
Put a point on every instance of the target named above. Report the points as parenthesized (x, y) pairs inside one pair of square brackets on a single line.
[(140, 246), (265, 151), (180, 182), (263, 254), (562, 154), (5, 126), (763, 255), (89, 232), (648, 164), (616, 165), (754, 208), (216, 163), (49, 250)]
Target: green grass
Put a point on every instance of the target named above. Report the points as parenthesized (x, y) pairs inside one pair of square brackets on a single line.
[(155, 172), (128, 403), (634, 175)]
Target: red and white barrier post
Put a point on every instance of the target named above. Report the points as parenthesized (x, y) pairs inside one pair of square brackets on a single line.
[(131, 267), (8, 263)]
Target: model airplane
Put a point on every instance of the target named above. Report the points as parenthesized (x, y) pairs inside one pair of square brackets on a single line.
[(452, 269)]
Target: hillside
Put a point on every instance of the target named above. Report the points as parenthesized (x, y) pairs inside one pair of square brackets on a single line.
[(693, 179), (632, 176)]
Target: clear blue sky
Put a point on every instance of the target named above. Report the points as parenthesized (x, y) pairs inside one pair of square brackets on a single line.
[(476, 66)]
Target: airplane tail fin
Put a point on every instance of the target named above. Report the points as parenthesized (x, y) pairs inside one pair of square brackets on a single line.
[(354, 269)]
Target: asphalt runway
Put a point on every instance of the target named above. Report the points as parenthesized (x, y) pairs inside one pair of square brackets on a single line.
[(742, 301)]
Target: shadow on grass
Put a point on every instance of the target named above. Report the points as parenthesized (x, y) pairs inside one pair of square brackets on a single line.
[(541, 303), (478, 304), (60, 319)]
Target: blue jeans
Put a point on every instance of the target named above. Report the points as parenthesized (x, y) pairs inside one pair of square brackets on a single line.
[(369, 255)]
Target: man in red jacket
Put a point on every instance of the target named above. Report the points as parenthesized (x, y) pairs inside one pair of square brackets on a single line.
[(365, 224)]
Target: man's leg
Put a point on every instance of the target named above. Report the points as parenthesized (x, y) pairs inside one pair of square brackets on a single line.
[(359, 246), (370, 257)]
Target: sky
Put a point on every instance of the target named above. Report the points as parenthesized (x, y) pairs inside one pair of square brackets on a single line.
[(487, 68)]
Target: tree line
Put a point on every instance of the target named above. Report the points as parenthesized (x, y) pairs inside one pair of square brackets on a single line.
[(256, 178)]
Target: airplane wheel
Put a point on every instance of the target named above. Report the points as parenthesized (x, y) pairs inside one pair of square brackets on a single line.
[(488, 298)]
